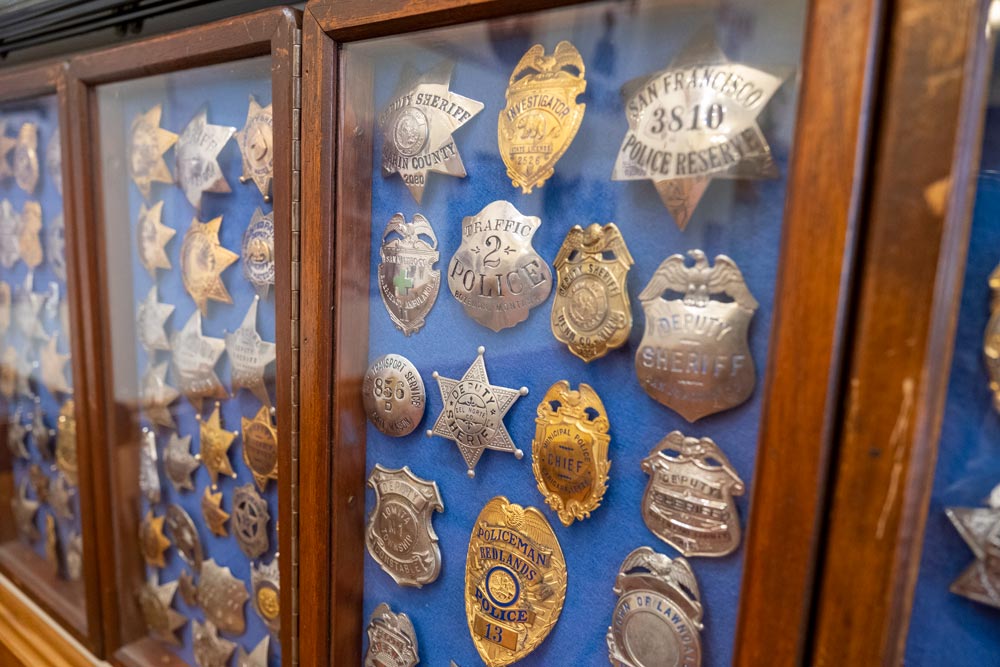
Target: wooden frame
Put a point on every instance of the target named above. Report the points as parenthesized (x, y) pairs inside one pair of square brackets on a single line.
[(273, 32), (919, 218), (802, 383), (75, 605)]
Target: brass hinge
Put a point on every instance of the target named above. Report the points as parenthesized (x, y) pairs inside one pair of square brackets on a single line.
[(295, 264)]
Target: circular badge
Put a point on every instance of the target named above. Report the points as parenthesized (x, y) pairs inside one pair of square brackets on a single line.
[(393, 395), (411, 131)]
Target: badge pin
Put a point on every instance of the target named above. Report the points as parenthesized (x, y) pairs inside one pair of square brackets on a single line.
[(646, 581), (694, 357), (515, 581), (400, 535), (185, 536), (417, 127), (55, 247), (569, 455), (150, 320), (980, 528), (542, 115), (250, 519), (10, 235), (149, 476), (203, 259), (393, 395), (260, 447), (688, 501), (407, 278), (694, 121), (265, 580), (195, 356), (256, 141), (156, 602), (26, 158), (151, 237), (147, 144), (473, 413), (257, 252), (152, 542), (29, 240), (210, 650), (591, 312), (496, 274), (249, 355), (215, 444), (197, 153), (66, 442), (223, 598), (392, 641), (211, 510)]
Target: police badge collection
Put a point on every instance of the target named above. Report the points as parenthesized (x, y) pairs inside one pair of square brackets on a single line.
[(407, 278)]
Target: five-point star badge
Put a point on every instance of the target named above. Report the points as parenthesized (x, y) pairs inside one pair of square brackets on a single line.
[(417, 126), (473, 413), (203, 259), (150, 318), (147, 144), (980, 528), (256, 146), (194, 357), (215, 443), (152, 237), (214, 515), (249, 355), (197, 152)]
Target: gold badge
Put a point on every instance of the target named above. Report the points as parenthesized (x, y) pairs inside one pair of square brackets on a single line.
[(28, 240), (569, 455), (152, 541), (515, 581), (66, 442), (203, 259), (212, 512), (266, 583), (215, 443), (260, 447), (591, 312), (147, 144), (26, 158), (256, 145), (6, 146), (542, 116), (152, 237)]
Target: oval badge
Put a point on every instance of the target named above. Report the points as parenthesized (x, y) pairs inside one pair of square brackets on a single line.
[(407, 278), (515, 581)]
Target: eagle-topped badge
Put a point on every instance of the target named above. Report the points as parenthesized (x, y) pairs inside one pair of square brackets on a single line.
[(407, 278), (694, 357)]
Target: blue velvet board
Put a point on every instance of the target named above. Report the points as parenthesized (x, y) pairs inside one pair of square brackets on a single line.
[(44, 113), (225, 89), (742, 219), (944, 627)]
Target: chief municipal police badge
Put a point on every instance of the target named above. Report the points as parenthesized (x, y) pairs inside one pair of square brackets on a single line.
[(399, 535), (694, 357), (980, 528), (591, 312), (541, 117), (407, 278), (694, 121), (496, 274), (569, 455), (392, 641), (515, 581), (688, 501), (658, 615), (417, 126)]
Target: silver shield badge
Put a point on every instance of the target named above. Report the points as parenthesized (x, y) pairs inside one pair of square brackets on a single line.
[(407, 278), (496, 274), (688, 501), (400, 536), (694, 357), (392, 641)]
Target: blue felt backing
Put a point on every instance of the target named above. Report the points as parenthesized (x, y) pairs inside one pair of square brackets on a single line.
[(741, 219), (225, 89)]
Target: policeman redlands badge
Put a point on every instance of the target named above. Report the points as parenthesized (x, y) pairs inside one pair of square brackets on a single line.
[(496, 274), (569, 455), (689, 498), (400, 536), (515, 581), (694, 357)]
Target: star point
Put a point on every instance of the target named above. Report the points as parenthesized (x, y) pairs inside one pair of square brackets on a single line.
[(194, 357), (147, 144), (250, 355)]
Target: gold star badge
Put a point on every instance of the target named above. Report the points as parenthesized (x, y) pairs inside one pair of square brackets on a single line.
[(214, 515), (260, 447), (152, 541), (147, 144), (28, 241), (197, 154), (215, 443), (156, 395), (249, 355), (6, 146), (53, 368), (255, 141), (203, 259), (161, 619), (152, 236)]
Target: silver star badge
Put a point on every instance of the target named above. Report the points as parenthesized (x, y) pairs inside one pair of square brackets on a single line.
[(473, 413), (249, 355), (178, 462), (417, 126), (256, 658), (27, 309), (197, 152), (156, 395), (149, 477), (195, 356), (150, 318), (980, 528)]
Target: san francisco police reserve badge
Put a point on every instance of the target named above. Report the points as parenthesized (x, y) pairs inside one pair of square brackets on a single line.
[(473, 413), (399, 535), (694, 121), (393, 395), (515, 581), (688, 501), (569, 455), (542, 115), (591, 312), (417, 126), (694, 357), (256, 145), (407, 278), (392, 641), (658, 615), (197, 153), (147, 144), (980, 528), (496, 274)]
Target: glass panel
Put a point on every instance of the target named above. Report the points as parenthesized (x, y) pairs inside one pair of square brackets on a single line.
[(189, 262), (497, 248), (956, 607), (40, 511)]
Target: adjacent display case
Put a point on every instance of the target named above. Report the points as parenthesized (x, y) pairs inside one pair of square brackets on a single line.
[(193, 289)]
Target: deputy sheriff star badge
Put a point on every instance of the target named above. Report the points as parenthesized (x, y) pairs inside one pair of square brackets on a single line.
[(417, 126), (473, 413), (980, 528), (694, 121)]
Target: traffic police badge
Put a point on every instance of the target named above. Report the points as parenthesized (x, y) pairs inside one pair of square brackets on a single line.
[(392, 641), (688, 501), (569, 455), (515, 581), (591, 312), (694, 357), (980, 528), (399, 535), (407, 278), (542, 115), (496, 274), (658, 615)]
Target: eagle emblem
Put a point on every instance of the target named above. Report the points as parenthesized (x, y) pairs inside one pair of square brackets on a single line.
[(407, 278)]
